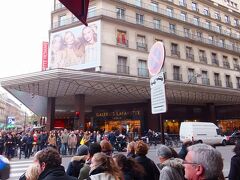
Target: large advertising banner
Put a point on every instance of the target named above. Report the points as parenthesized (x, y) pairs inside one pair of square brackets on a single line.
[(76, 48), (44, 56)]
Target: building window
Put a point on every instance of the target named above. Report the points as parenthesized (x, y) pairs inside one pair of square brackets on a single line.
[(154, 6), (222, 43), (205, 79), (62, 20), (191, 76), (225, 62), (210, 39), (202, 56), (187, 32), (122, 65), (120, 13), (176, 73), (235, 64), (228, 81), (206, 12), (217, 16), (194, 6), (142, 68), (228, 31), (199, 35), (92, 11), (189, 53), (172, 28), (238, 82), (158, 40), (217, 80), (174, 50), (208, 24), (141, 43), (183, 3), (196, 21), (183, 16), (227, 19), (214, 59), (219, 28), (122, 38), (170, 12), (156, 23), (139, 19), (235, 22), (138, 3)]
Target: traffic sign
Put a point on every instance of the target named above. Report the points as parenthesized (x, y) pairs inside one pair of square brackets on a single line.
[(156, 58), (158, 94)]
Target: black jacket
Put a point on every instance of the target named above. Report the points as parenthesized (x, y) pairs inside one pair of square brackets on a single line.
[(74, 168), (151, 170), (234, 168), (55, 174)]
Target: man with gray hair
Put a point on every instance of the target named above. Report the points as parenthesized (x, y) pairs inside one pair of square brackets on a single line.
[(203, 162), (170, 168)]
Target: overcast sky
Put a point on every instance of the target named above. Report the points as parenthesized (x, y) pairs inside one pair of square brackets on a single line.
[(24, 26)]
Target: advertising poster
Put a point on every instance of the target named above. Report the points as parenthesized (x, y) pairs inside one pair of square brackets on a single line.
[(44, 56), (76, 48)]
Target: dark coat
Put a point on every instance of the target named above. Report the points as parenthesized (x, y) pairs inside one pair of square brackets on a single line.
[(149, 166), (234, 173), (55, 174), (74, 168)]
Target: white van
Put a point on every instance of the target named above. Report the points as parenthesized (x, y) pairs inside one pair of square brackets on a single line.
[(202, 132)]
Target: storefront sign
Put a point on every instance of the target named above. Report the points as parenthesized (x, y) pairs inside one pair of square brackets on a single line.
[(158, 94), (118, 114)]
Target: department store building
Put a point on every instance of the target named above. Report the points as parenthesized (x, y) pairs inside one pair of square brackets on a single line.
[(98, 77)]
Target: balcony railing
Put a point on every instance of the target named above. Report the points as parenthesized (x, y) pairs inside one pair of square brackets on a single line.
[(177, 77), (203, 59), (218, 82), (141, 46), (122, 43), (149, 24), (205, 81), (229, 84), (143, 72), (175, 53), (122, 69), (192, 79), (215, 62), (236, 66), (190, 56), (226, 65)]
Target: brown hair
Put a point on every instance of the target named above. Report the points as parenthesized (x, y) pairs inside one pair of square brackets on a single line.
[(141, 148), (131, 147), (108, 164), (106, 146)]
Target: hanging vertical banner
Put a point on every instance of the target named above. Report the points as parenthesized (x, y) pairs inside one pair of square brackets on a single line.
[(44, 56)]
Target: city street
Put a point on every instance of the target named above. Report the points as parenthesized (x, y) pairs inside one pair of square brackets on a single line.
[(18, 167)]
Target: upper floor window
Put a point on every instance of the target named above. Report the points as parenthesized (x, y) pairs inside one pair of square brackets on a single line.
[(238, 82), (206, 12), (170, 12), (221, 42), (196, 20), (138, 3), (141, 42), (142, 68), (189, 53), (235, 64), (217, 79), (172, 28), (183, 16), (183, 3), (154, 6), (156, 23), (92, 11), (205, 79), (208, 24), (62, 19), (176, 73), (191, 76), (227, 19), (210, 39), (214, 59), (194, 6), (122, 38), (219, 28), (174, 49), (217, 16), (139, 18), (235, 22), (228, 81), (120, 13), (187, 32), (225, 62), (122, 65)]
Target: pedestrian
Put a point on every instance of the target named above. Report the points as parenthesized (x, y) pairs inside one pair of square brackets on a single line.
[(234, 173), (171, 168), (4, 168), (103, 167), (131, 149), (52, 141), (131, 170), (32, 172), (106, 147), (49, 162), (203, 162), (141, 150), (183, 152), (72, 143), (64, 142)]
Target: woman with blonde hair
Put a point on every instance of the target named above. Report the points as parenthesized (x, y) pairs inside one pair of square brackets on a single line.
[(131, 149), (32, 172), (103, 167)]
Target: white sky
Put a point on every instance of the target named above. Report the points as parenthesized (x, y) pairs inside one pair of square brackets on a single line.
[(24, 26)]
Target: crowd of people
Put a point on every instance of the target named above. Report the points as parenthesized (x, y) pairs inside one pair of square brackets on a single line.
[(93, 157)]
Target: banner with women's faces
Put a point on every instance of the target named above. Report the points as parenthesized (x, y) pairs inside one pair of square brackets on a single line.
[(76, 48)]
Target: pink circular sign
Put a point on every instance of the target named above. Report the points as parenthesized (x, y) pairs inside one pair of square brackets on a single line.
[(156, 58)]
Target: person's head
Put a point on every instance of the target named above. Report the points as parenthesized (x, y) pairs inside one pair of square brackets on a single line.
[(69, 38), (94, 148), (82, 150), (48, 158), (141, 148), (4, 167), (106, 147), (203, 162), (236, 149), (131, 147), (89, 35), (164, 153), (57, 42), (32, 172), (106, 164)]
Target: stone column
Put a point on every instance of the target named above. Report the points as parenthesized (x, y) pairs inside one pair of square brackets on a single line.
[(50, 112), (212, 113), (79, 123)]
